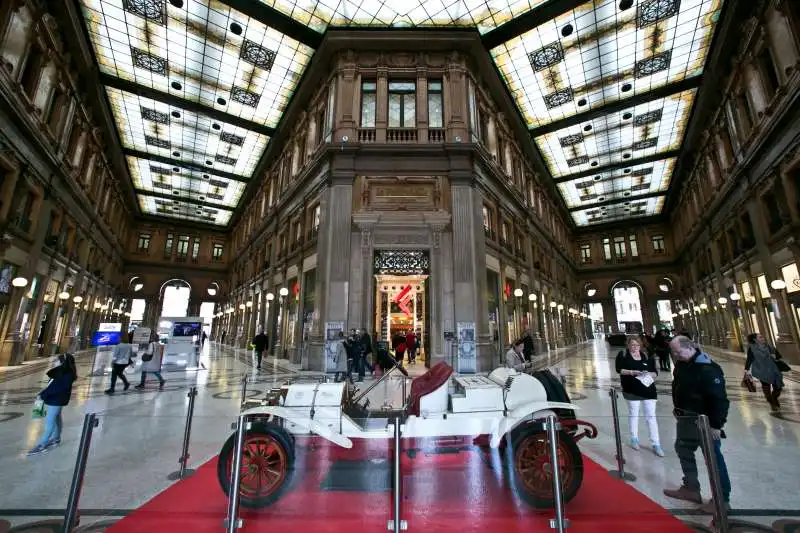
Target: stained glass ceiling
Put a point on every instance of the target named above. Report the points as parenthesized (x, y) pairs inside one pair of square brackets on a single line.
[(197, 87)]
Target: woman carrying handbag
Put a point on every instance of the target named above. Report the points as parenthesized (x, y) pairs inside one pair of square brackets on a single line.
[(762, 365), (151, 362), (55, 396)]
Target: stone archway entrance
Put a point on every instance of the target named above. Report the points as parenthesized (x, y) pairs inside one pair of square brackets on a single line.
[(627, 297)]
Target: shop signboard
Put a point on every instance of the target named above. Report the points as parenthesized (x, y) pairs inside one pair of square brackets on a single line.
[(467, 356)]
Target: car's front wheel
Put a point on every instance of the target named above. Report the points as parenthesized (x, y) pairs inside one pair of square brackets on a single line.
[(531, 467), (267, 465)]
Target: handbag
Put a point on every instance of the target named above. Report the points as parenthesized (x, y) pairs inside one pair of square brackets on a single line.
[(39, 409), (148, 355), (747, 383), (783, 367)]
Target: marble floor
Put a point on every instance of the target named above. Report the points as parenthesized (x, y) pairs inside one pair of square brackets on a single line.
[(138, 440)]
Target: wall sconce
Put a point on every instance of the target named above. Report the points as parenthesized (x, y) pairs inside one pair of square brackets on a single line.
[(249, 304), (284, 291), (591, 292), (553, 304), (242, 307), (518, 293), (703, 307), (778, 284), (78, 299), (560, 307), (270, 296), (735, 297), (63, 296), (19, 281), (722, 300), (531, 297)]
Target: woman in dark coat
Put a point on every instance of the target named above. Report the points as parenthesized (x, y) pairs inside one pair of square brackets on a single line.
[(55, 396), (761, 365)]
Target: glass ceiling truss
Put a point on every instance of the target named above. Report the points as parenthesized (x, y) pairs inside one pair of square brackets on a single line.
[(152, 205), (156, 128), (203, 52), (614, 213), (618, 185), (485, 15), (643, 130), (599, 53)]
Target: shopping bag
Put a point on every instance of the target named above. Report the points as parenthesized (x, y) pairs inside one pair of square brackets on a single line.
[(39, 409)]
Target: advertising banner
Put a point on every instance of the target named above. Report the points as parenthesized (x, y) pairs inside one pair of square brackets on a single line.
[(332, 330), (467, 356), (109, 326), (182, 348)]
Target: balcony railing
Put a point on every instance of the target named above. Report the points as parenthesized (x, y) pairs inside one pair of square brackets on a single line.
[(489, 232), (401, 135), (436, 135), (312, 234), (366, 135)]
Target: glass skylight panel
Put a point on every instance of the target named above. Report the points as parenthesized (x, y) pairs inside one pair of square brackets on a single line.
[(621, 184), (203, 52), (157, 128), (639, 131), (181, 182), (638, 208), (485, 15), (599, 53), (151, 205)]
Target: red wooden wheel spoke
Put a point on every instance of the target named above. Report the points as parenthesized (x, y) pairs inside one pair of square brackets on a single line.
[(264, 466)]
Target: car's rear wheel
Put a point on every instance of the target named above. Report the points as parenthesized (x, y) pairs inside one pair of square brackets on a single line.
[(267, 465), (531, 469)]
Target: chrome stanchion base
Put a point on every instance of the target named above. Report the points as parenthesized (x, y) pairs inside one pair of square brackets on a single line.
[(175, 476), (403, 525), (554, 523), (625, 476)]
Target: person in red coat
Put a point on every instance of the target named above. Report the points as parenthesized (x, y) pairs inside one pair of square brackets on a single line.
[(411, 346)]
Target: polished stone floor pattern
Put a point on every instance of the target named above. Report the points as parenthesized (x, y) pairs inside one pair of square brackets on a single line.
[(138, 441)]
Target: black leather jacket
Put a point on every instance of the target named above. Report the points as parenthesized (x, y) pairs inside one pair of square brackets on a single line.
[(698, 388)]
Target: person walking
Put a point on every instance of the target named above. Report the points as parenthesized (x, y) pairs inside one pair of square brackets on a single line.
[(121, 358), (203, 339), (661, 348), (260, 343), (637, 374), (364, 352), (151, 362), (761, 364), (56, 396), (340, 359), (411, 346), (698, 388)]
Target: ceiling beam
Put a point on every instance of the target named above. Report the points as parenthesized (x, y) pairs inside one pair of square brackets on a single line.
[(183, 199), (146, 92), (184, 164), (618, 201), (275, 19), (643, 98), (528, 21), (615, 166)]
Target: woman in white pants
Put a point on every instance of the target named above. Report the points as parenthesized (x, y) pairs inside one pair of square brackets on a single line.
[(637, 373)]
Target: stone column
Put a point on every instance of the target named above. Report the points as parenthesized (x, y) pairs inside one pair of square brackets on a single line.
[(37, 314), (382, 103), (12, 350), (435, 291), (422, 101), (787, 342), (610, 315), (469, 303)]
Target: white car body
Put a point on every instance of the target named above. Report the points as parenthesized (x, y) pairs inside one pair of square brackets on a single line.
[(462, 406)]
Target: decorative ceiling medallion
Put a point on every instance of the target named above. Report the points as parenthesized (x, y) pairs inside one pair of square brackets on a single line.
[(245, 97), (569, 140), (642, 171), (154, 169), (155, 141), (580, 160), (558, 98), (225, 160), (217, 183), (152, 10), (648, 118), (148, 61), (657, 10), (231, 138), (651, 65), (154, 116), (257, 55), (646, 143), (546, 57)]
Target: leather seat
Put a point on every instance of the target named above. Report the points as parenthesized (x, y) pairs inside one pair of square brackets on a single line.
[(427, 383)]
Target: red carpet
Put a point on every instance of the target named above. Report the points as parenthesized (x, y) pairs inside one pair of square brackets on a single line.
[(460, 492)]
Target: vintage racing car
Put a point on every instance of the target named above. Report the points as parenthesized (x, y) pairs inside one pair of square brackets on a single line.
[(504, 410)]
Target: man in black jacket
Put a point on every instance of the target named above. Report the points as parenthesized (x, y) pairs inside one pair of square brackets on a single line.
[(698, 388), (260, 343)]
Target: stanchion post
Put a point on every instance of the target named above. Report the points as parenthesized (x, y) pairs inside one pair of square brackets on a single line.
[(184, 472), (558, 523), (71, 514), (720, 509), (233, 522), (620, 472), (396, 525), (244, 391)]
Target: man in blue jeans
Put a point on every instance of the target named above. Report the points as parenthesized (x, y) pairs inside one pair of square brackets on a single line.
[(698, 388)]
